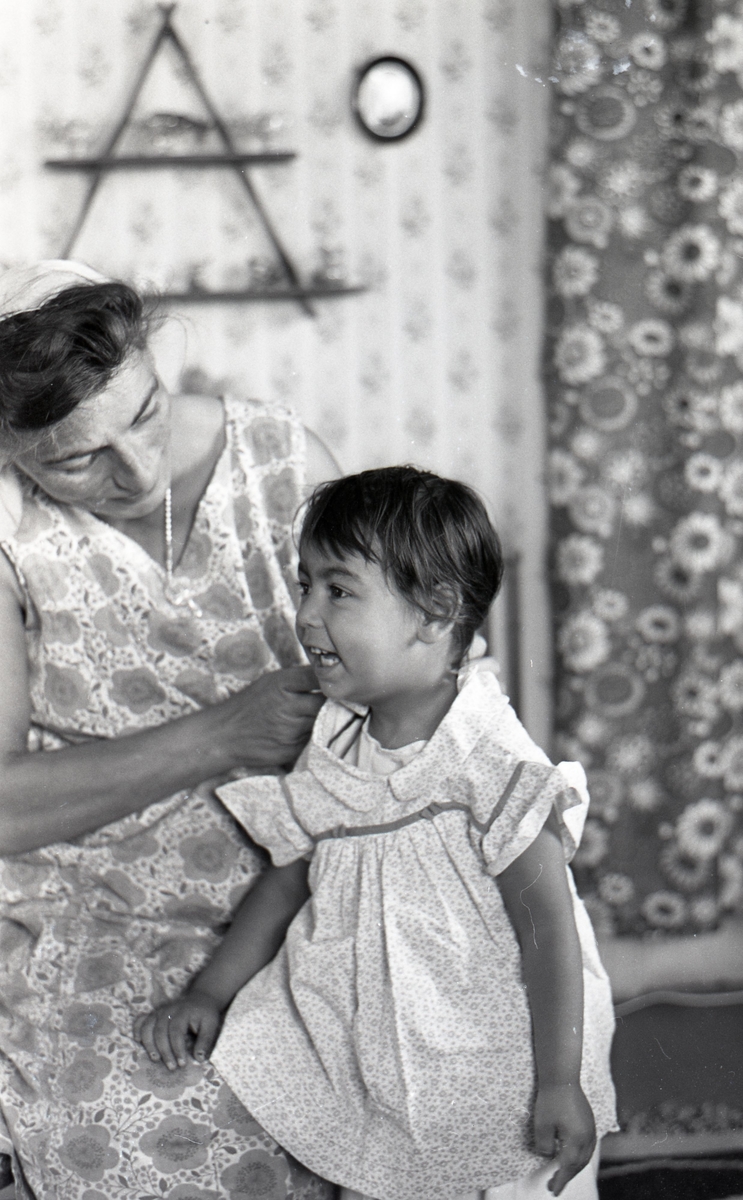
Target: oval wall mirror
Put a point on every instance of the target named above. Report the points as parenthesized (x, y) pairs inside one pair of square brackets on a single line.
[(388, 98)]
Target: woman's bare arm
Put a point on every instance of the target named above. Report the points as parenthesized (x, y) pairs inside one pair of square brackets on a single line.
[(54, 796)]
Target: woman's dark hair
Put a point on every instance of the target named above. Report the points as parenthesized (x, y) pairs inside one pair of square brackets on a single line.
[(431, 537), (55, 356)]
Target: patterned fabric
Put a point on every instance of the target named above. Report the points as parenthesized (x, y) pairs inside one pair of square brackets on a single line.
[(389, 1043), (531, 1187), (645, 354), (109, 652), (97, 930)]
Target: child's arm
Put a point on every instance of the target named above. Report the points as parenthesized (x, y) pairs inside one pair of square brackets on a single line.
[(537, 897), (252, 940)]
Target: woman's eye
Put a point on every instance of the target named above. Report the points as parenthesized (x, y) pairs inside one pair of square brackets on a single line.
[(145, 416), (71, 466)]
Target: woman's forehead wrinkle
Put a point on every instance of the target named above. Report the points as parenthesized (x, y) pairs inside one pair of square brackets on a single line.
[(85, 429), (67, 436)]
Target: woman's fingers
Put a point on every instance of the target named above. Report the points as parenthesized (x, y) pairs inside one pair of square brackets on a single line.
[(298, 679), (267, 723), (300, 690)]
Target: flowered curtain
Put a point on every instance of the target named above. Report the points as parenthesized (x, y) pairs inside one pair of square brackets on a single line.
[(645, 353)]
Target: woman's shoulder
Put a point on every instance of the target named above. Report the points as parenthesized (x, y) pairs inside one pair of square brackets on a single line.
[(271, 434), (200, 409), (11, 502), (20, 517), (321, 466), (10, 588), (197, 423)]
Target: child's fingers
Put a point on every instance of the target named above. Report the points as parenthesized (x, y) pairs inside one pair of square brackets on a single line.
[(179, 1023), (161, 1037), (206, 1035), (144, 1030), (574, 1155), (545, 1138)]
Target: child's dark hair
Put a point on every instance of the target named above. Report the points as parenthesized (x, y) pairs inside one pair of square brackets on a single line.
[(431, 537)]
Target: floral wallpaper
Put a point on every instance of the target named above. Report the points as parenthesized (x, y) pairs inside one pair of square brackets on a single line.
[(438, 361), (645, 351)]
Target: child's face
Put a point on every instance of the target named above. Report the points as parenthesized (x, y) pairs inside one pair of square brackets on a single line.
[(361, 637)]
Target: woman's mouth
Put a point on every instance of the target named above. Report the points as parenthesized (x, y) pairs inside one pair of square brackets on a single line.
[(322, 658)]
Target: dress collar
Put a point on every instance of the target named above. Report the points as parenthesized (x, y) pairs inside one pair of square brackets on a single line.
[(465, 727)]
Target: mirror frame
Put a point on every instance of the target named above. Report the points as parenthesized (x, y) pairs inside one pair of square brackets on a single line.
[(363, 73)]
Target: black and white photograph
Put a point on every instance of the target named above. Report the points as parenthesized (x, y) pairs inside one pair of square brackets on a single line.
[(371, 600)]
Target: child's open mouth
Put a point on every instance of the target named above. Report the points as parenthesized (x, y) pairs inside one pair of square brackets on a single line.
[(322, 658)]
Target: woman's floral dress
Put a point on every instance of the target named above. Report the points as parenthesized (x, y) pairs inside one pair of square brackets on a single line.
[(101, 928)]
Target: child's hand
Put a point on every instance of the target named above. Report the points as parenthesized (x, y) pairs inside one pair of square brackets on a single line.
[(564, 1128), (163, 1032)]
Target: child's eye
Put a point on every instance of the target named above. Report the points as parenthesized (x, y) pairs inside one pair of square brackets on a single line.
[(336, 592), (304, 587)]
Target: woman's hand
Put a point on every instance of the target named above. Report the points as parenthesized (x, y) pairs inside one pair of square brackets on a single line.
[(564, 1129), (164, 1032), (268, 723), (264, 726)]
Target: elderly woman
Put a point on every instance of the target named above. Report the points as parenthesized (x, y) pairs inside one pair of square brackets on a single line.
[(146, 646)]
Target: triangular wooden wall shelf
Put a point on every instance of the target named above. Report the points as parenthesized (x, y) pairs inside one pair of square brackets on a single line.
[(291, 287)]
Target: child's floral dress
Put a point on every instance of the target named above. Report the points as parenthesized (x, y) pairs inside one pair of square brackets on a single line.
[(389, 1043)]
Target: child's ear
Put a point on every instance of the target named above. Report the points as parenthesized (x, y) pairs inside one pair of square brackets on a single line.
[(432, 630)]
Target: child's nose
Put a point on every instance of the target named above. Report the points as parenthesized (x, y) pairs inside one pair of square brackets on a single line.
[(308, 615)]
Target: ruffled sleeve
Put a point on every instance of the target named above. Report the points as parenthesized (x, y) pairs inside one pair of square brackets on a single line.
[(533, 790), (505, 729), (263, 806)]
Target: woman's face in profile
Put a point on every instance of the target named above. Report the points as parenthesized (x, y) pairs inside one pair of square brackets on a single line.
[(112, 454)]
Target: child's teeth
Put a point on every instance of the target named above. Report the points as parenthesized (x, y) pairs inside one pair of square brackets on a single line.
[(326, 657)]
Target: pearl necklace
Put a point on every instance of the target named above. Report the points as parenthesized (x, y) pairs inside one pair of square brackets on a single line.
[(169, 536), (182, 601)]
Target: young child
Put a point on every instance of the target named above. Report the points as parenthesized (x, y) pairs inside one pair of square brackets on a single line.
[(426, 1014)]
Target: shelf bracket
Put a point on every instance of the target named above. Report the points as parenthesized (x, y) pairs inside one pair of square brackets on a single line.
[(232, 158)]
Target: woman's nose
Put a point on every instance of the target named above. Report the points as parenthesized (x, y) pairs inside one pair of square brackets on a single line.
[(133, 471)]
